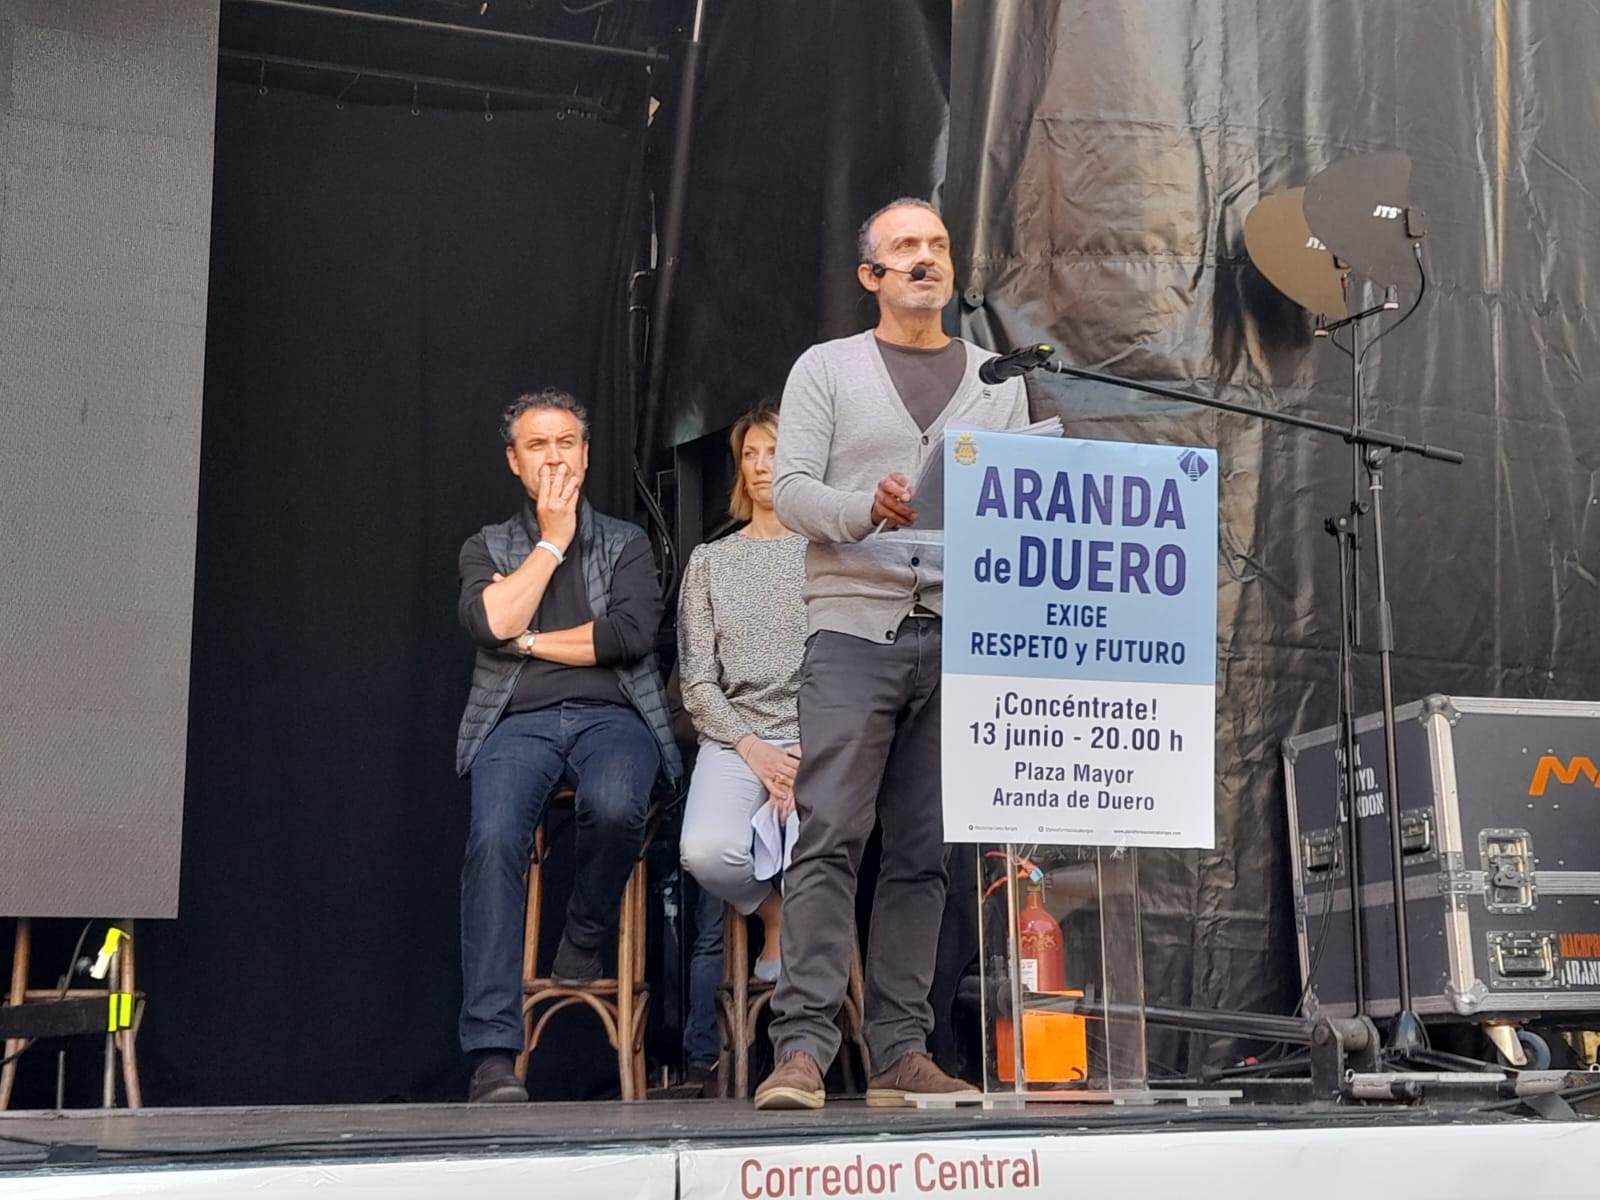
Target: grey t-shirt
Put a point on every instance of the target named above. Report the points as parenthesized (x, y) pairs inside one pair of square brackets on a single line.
[(925, 379)]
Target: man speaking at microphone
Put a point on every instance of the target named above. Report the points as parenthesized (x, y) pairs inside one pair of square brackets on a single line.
[(860, 415)]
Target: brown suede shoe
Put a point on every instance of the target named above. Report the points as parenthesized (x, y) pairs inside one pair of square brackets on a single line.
[(796, 1082), (915, 1074)]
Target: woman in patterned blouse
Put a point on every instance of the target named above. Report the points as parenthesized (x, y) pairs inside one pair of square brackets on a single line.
[(741, 636)]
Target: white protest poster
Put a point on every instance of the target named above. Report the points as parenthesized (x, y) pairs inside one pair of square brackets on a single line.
[(1080, 615)]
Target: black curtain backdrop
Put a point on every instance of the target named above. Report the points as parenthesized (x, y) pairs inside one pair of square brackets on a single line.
[(1103, 158), (381, 285), (809, 118)]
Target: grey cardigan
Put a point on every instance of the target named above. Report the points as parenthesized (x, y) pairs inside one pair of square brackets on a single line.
[(842, 430)]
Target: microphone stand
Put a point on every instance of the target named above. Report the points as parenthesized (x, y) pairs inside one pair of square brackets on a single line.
[(1345, 529), (1371, 447), (1406, 1035), (1355, 435)]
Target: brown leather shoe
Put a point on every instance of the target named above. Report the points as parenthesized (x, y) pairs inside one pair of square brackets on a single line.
[(914, 1074), (796, 1082)]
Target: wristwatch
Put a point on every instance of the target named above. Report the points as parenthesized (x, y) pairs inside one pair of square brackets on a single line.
[(525, 641)]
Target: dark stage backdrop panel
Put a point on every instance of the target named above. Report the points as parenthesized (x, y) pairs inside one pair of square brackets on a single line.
[(1103, 158), (809, 118), (382, 285), (106, 117)]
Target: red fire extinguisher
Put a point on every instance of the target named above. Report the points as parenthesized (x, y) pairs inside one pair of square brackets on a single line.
[(1054, 1045), (1043, 966)]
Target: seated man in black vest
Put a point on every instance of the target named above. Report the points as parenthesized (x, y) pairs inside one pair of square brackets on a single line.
[(564, 605)]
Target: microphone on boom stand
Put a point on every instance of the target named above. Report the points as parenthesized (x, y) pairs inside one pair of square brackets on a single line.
[(1018, 362), (1353, 216), (1037, 357)]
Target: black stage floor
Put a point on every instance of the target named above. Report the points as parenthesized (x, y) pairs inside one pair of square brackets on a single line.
[(239, 1136)]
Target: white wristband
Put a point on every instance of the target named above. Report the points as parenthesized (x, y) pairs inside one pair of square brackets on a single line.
[(554, 550)]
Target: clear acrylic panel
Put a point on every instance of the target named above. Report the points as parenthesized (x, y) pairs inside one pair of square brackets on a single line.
[(1059, 942)]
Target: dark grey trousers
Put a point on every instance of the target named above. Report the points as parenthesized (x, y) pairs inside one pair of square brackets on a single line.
[(869, 738)]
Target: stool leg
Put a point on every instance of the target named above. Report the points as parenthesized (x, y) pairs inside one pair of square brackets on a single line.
[(638, 986), (626, 1075), (641, 1081), (535, 910), (632, 998), (532, 915), (20, 952), (737, 933)]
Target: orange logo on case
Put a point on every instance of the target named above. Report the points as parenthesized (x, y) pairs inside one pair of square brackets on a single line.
[(1565, 772)]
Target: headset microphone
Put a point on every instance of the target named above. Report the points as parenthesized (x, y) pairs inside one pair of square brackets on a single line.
[(917, 273)]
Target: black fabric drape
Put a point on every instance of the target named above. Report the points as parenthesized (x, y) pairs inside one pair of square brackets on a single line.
[(810, 117), (1103, 158), (381, 285)]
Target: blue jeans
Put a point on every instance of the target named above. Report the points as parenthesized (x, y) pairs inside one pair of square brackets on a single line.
[(702, 1039), (609, 754)]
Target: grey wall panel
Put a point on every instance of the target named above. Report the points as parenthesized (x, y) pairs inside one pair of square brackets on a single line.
[(107, 113)]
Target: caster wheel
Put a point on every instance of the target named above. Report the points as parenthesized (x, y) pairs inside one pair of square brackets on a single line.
[(1537, 1050)]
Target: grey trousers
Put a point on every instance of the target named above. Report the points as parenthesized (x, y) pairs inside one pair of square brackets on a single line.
[(869, 722), (714, 846)]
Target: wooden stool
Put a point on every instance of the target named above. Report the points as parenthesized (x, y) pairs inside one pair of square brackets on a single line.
[(740, 1000), (119, 1044), (620, 1002)]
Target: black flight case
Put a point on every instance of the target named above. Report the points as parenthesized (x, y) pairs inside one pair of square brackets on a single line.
[(1500, 830)]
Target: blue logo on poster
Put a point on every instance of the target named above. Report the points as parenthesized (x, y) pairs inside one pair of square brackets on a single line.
[(1192, 464)]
